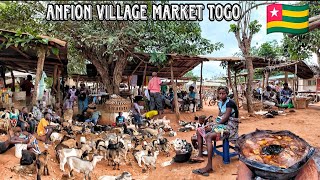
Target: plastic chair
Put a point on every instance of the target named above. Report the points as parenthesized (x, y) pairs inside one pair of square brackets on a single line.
[(226, 154)]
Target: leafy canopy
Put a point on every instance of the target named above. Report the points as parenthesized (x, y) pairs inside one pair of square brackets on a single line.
[(302, 46)]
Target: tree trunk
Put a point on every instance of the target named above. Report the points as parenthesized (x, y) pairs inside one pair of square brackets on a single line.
[(249, 66), (235, 89), (231, 84), (318, 57), (117, 73), (267, 74), (286, 77), (41, 57)]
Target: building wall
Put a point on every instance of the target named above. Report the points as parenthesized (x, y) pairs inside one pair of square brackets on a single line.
[(307, 84)]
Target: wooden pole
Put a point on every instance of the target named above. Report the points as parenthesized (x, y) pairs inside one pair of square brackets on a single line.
[(295, 79), (263, 81), (200, 92), (3, 75), (317, 88), (77, 82), (41, 57), (58, 95), (144, 74), (267, 78), (13, 87), (286, 77), (236, 96), (54, 84), (174, 87)]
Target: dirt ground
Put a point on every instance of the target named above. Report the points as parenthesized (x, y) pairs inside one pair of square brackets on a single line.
[(304, 122)]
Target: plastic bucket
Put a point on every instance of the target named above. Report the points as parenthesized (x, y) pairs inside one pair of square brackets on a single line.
[(19, 148)]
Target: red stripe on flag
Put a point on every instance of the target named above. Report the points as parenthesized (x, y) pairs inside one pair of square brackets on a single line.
[(274, 12)]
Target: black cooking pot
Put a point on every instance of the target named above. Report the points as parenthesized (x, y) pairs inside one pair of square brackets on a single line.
[(268, 171)]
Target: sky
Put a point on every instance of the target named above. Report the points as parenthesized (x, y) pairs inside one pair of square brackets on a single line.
[(218, 32)]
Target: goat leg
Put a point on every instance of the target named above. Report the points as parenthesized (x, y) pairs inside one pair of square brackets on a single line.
[(71, 174), (118, 166), (47, 170)]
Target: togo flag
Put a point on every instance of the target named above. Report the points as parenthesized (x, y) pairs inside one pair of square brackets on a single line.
[(287, 18)]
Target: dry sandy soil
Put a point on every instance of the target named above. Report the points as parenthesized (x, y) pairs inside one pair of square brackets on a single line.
[(303, 122)]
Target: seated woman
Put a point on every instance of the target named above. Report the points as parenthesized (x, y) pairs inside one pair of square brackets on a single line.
[(23, 119), (20, 137), (190, 99), (285, 94), (169, 99), (269, 97), (225, 126)]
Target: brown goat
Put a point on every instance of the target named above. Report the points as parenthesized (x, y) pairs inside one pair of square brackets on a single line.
[(42, 164)]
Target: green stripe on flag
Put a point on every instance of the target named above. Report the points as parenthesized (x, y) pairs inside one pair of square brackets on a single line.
[(287, 30), (295, 19), (295, 8)]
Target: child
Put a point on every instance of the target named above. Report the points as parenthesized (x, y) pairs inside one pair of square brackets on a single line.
[(120, 120)]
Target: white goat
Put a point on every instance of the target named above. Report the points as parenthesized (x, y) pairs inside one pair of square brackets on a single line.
[(150, 160), (138, 155), (67, 152), (123, 176), (55, 136), (83, 166)]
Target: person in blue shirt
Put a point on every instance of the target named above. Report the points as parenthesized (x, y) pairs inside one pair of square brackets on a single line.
[(95, 116), (285, 94), (191, 98), (192, 94), (120, 120)]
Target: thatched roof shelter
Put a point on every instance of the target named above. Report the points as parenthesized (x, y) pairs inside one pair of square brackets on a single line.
[(181, 64), (25, 60)]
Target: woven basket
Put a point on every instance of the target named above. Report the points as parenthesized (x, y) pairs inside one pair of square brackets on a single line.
[(117, 104), (110, 109)]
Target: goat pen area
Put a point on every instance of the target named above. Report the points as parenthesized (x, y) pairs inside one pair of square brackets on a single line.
[(303, 122)]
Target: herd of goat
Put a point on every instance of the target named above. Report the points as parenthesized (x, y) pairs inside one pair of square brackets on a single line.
[(112, 144)]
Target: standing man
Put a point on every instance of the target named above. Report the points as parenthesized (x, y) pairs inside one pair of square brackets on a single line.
[(154, 87), (27, 86), (82, 98)]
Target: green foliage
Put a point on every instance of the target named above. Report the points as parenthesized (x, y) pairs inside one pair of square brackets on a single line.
[(254, 27), (270, 50), (104, 43), (24, 19), (302, 46), (233, 28), (48, 81), (191, 75)]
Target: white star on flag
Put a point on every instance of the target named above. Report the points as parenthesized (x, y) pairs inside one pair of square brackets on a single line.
[(274, 12)]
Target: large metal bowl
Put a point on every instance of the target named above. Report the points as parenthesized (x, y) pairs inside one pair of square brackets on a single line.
[(268, 171)]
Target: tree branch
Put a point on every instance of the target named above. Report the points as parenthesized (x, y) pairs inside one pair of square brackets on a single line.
[(252, 7)]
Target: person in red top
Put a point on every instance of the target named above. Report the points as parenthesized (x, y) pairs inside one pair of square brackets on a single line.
[(154, 87), (27, 86)]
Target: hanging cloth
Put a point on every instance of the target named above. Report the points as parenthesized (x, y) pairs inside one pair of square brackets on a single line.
[(41, 86)]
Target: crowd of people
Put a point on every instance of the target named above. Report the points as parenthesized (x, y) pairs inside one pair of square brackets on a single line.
[(277, 97)]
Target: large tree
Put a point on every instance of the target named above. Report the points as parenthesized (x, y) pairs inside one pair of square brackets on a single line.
[(109, 45), (244, 31)]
